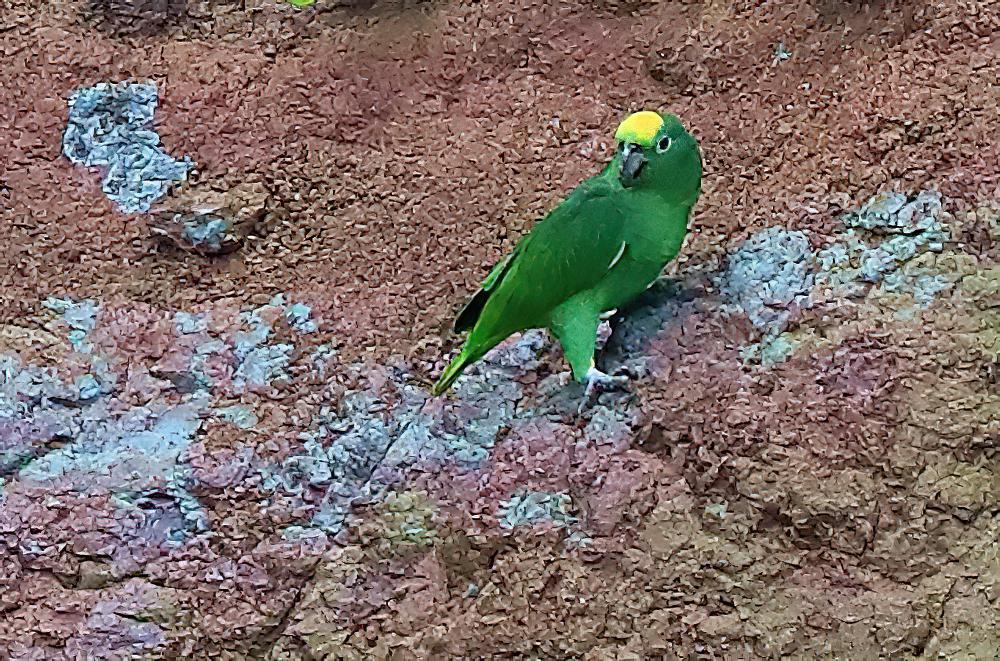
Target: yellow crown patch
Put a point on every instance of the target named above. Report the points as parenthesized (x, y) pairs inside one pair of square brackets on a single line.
[(640, 128)]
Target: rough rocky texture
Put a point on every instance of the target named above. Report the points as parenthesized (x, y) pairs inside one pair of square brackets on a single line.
[(208, 221), (234, 455)]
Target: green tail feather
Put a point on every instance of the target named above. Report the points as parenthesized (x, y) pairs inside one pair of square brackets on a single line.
[(452, 372)]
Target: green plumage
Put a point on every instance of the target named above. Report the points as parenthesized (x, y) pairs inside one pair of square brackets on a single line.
[(596, 251)]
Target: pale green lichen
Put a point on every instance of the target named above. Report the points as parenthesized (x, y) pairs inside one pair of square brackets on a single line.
[(298, 316), (406, 519), (88, 387), (123, 453), (718, 510), (260, 363)]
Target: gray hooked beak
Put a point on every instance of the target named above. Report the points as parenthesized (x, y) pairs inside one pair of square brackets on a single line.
[(632, 162)]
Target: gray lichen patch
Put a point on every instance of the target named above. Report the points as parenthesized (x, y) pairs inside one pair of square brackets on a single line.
[(260, 363), (533, 507), (80, 316), (110, 127), (769, 273), (881, 253), (79, 433), (773, 350), (299, 317), (240, 416), (372, 440), (664, 303), (187, 323), (263, 364), (339, 456), (896, 213), (488, 395), (88, 387), (882, 237), (23, 388), (127, 452)]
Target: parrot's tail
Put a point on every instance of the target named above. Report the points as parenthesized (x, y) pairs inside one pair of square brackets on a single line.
[(452, 372)]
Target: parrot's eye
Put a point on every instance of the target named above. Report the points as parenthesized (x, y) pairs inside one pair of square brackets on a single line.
[(664, 144)]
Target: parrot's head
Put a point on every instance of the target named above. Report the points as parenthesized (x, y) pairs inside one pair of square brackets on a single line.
[(656, 153)]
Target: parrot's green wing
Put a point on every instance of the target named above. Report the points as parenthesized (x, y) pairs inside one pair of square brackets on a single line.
[(568, 252), (470, 313)]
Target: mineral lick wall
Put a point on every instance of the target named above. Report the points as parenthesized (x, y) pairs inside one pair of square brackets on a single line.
[(234, 231)]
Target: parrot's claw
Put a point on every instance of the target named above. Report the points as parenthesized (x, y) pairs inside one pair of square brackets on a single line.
[(598, 381), (564, 379)]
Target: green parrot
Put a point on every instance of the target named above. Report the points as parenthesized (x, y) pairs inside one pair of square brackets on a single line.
[(605, 244)]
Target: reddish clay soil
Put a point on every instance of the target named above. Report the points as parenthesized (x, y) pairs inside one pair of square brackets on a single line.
[(413, 144), (409, 144)]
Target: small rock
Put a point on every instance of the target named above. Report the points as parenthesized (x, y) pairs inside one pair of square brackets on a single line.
[(210, 221), (88, 387), (94, 575)]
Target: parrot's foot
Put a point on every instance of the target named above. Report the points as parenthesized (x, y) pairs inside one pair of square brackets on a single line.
[(597, 382)]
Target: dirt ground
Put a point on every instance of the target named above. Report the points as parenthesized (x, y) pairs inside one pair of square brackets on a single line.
[(840, 501)]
